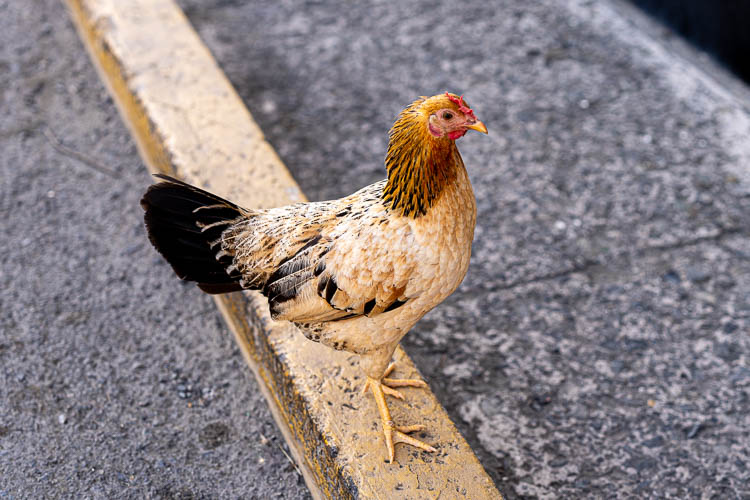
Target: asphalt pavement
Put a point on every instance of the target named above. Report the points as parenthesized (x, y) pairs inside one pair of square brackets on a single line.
[(598, 347), (116, 380)]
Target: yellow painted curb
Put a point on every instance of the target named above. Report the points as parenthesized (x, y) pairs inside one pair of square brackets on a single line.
[(189, 122)]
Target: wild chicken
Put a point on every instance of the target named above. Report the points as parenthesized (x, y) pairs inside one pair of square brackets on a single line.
[(355, 273)]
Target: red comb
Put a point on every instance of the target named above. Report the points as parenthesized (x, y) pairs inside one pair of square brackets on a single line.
[(463, 108)]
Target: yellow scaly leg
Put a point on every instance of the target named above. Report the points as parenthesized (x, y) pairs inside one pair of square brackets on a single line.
[(393, 433)]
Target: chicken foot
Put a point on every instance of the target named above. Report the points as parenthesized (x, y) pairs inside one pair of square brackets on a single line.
[(395, 433)]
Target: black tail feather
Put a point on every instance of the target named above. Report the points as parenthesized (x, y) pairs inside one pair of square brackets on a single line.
[(173, 223)]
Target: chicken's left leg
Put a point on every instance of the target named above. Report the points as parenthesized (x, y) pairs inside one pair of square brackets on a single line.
[(394, 433), (390, 384)]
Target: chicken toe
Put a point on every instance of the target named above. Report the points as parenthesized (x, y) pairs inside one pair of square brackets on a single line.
[(394, 434)]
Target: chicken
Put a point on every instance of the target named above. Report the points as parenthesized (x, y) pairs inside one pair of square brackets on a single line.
[(355, 273)]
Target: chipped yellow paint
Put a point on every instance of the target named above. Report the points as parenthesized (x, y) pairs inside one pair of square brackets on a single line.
[(188, 121)]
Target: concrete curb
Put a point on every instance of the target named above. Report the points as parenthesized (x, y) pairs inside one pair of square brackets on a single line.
[(188, 121)]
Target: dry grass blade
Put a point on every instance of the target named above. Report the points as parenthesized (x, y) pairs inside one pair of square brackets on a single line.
[(72, 153)]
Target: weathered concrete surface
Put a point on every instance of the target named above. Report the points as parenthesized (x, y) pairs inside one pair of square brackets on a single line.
[(599, 346), (115, 380)]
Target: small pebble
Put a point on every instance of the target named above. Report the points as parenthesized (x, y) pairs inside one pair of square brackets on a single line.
[(671, 276), (694, 430), (268, 106), (697, 274), (61, 419)]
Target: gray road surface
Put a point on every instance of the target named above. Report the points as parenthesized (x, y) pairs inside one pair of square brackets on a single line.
[(116, 381)]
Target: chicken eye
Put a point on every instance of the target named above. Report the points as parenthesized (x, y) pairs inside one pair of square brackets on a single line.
[(447, 115)]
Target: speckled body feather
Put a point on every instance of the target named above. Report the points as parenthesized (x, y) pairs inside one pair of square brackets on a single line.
[(354, 273)]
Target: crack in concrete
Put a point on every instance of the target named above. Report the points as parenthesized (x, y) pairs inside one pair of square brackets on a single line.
[(546, 277), (722, 233), (641, 252)]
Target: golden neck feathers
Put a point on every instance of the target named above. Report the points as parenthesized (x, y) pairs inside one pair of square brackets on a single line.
[(419, 164)]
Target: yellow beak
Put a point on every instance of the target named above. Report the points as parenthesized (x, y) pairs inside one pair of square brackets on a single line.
[(478, 126)]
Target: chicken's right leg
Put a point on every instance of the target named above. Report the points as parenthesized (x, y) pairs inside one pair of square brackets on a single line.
[(394, 433)]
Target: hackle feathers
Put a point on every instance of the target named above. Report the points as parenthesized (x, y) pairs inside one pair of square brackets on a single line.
[(420, 165)]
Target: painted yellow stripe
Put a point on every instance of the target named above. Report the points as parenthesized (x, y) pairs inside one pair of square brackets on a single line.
[(188, 121)]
